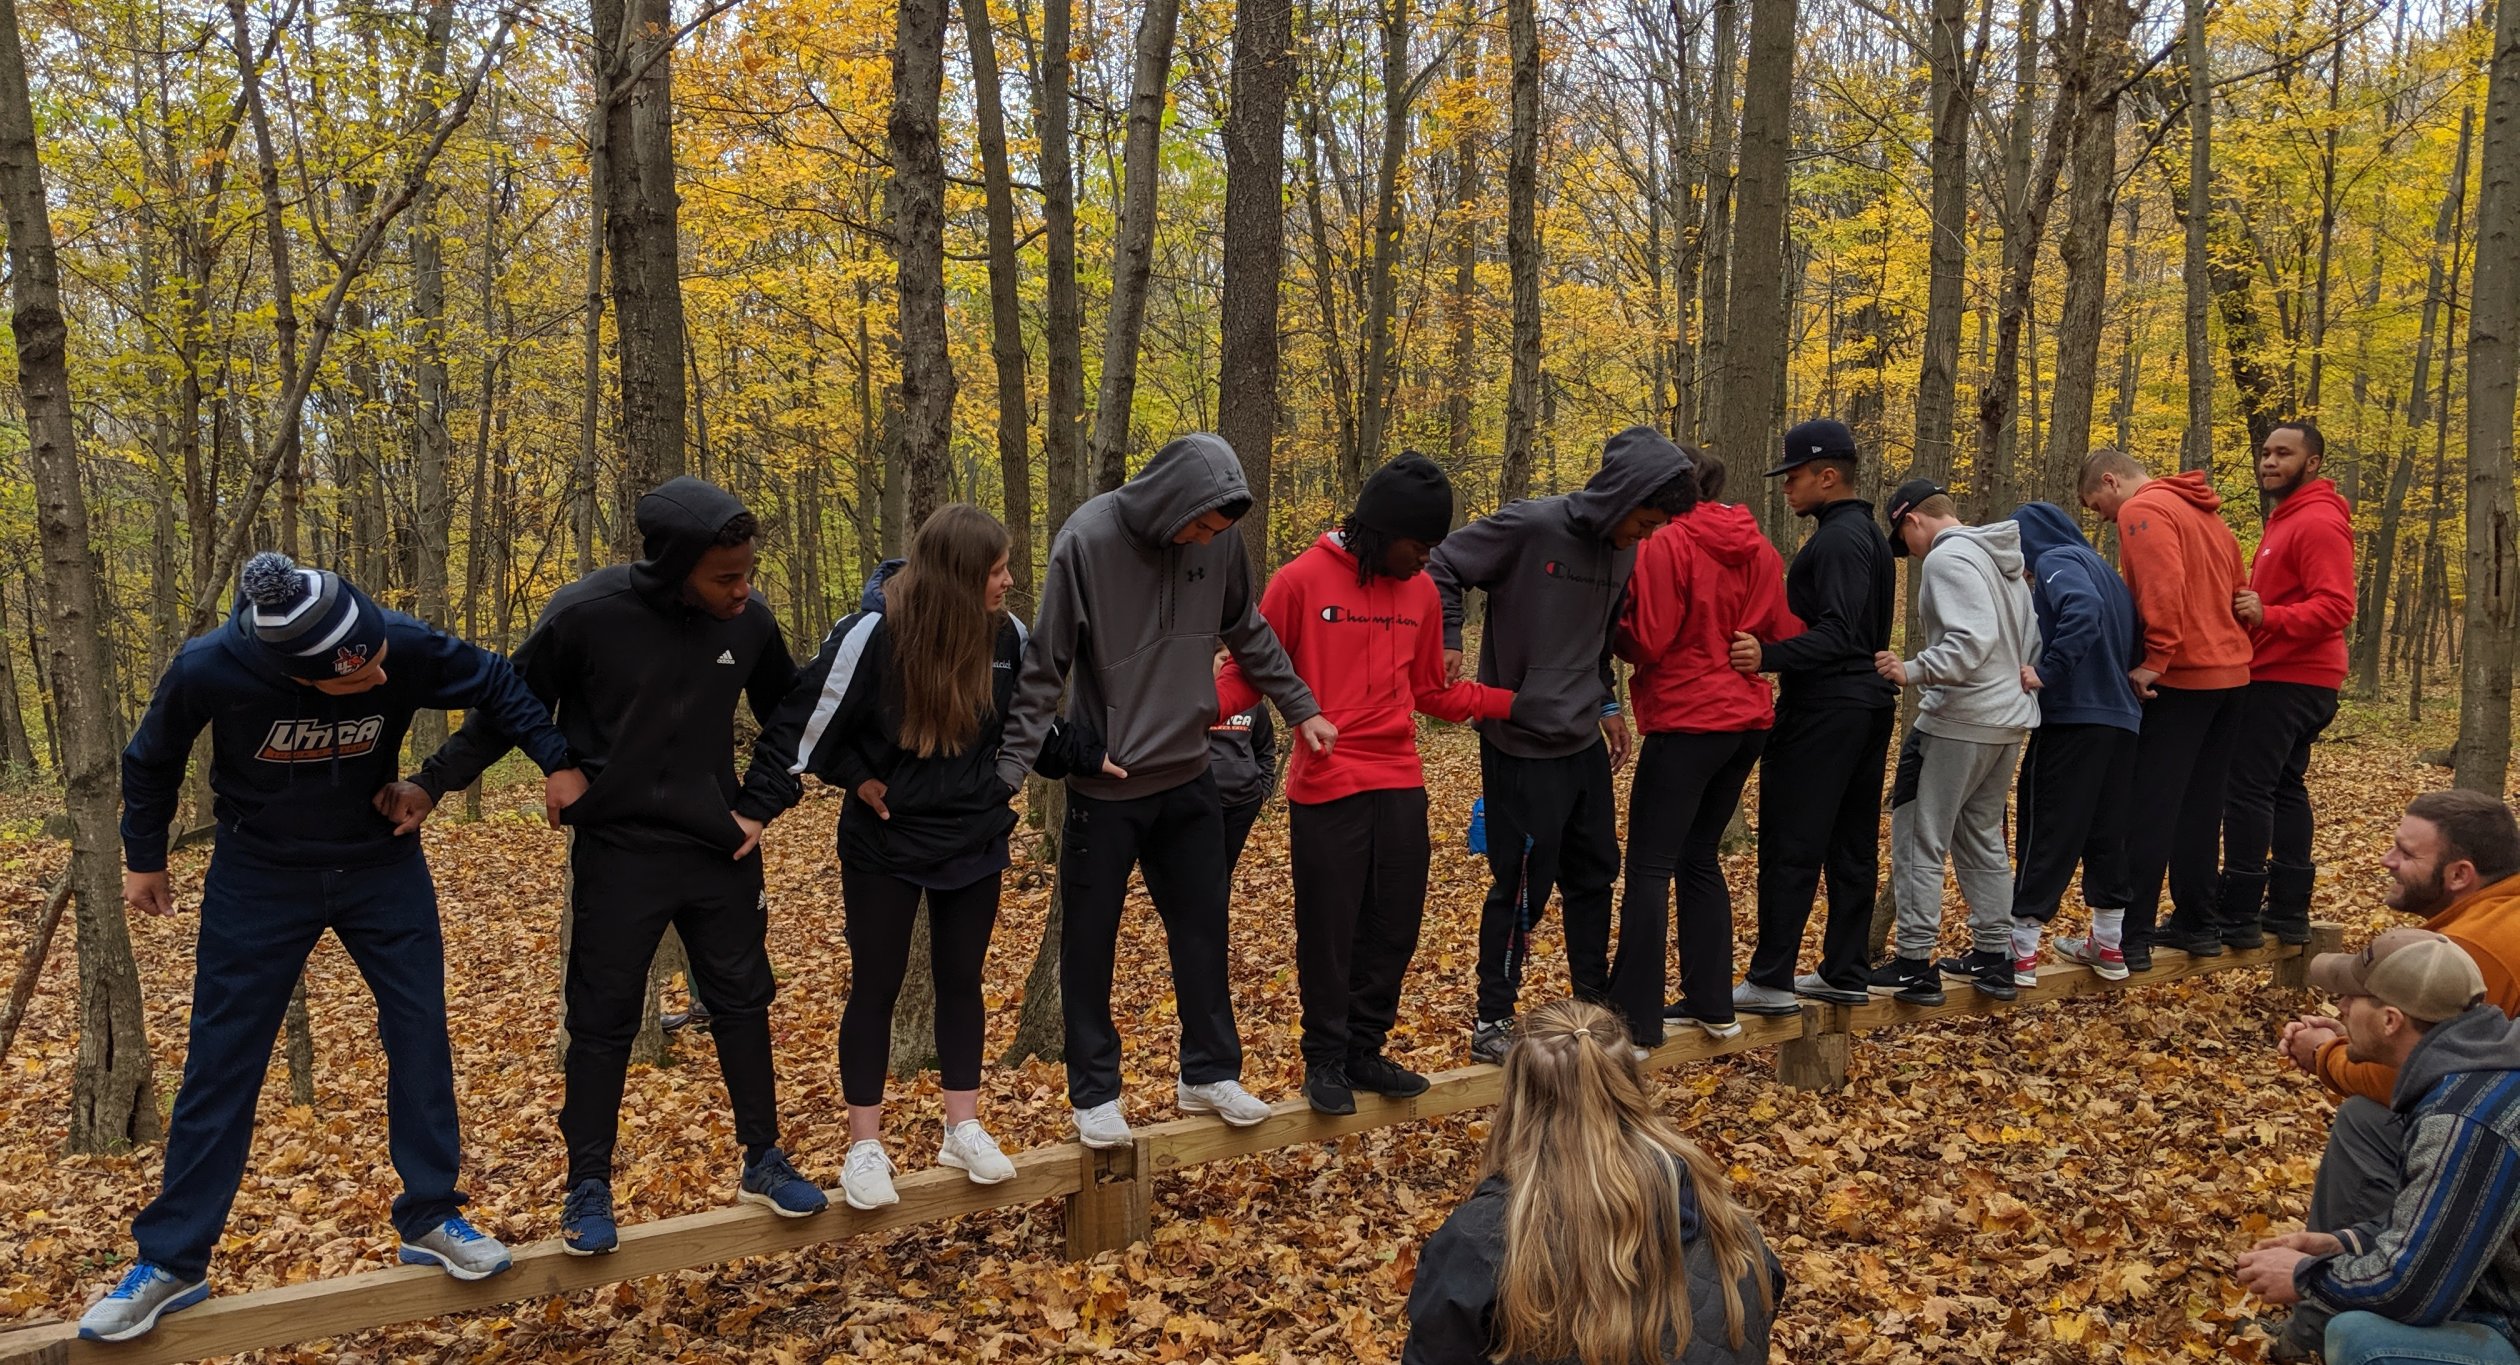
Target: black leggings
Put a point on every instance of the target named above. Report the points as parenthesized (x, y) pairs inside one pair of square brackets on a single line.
[(879, 910)]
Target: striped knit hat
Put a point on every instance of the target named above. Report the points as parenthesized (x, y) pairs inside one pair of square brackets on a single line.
[(316, 624)]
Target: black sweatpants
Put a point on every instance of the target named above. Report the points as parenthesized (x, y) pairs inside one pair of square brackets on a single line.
[(1239, 818), (1360, 897), (2266, 807), (1550, 822), (879, 911), (2182, 763), (625, 890), (1176, 839), (2076, 781), (1820, 808), (1684, 794)]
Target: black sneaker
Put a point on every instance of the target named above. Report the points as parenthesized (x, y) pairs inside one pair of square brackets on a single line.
[(1326, 1089), (1384, 1077), (1990, 973), (1909, 979), (2138, 957), (1488, 1040)]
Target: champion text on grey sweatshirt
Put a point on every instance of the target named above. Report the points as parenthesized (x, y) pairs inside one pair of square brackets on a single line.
[(1129, 622), (1554, 585), (1979, 629)]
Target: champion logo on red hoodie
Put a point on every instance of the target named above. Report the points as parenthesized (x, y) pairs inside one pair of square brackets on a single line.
[(1338, 615)]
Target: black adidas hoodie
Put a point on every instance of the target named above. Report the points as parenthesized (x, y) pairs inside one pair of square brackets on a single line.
[(644, 686), (292, 768)]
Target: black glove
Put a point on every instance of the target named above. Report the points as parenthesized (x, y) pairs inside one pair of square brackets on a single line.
[(1072, 749)]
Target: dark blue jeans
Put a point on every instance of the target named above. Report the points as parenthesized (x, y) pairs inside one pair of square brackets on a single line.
[(257, 926)]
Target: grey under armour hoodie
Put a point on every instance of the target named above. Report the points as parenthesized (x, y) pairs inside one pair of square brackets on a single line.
[(1554, 583), (1129, 622), (1979, 629)]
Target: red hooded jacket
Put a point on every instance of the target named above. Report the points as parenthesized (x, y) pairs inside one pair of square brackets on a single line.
[(2304, 575), (2183, 565), (1372, 655), (1698, 580)]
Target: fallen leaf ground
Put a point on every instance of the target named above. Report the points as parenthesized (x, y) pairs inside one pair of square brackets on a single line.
[(2066, 1183)]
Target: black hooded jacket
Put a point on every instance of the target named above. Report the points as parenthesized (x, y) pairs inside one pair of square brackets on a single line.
[(644, 685)]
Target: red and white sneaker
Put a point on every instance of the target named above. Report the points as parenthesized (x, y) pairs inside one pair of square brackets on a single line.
[(2109, 964), (2026, 971)]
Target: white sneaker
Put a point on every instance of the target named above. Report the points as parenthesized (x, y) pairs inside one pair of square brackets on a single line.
[(969, 1148), (1640, 1054), (866, 1178), (1718, 1029), (1102, 1128), (1225, 1099)]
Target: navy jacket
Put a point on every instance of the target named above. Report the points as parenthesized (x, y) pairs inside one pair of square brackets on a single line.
[(2088, 626), (292, 769)]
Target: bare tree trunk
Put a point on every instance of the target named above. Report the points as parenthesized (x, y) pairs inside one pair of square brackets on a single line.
[(1753, 387), (1006, 315), (1040, 1028), (1715, 227), (17, 749), (433, 497), (114, 1090), (1255, 255), (2028, 195), (284, 322), (2091, 209), (1522, 247), (640, 223), (2483, 754), (1374, 415), (1938, 376), (1062, 424), (918, 222), (2310, 403), (1133, 258), (2196, 447), (1460, 307)]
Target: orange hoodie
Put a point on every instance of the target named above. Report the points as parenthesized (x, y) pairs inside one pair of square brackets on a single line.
[(2486, 923), (2183, 566)]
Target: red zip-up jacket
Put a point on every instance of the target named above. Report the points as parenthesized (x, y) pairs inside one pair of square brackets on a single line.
[(2304, 575), (1698, 580), (1372, 655)]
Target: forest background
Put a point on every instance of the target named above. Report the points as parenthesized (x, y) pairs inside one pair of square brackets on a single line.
[(429, 293)]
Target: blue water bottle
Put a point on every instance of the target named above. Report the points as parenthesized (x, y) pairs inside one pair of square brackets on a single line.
[(1478, 825)]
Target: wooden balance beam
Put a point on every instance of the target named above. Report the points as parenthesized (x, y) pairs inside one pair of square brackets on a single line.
[(1107, 1194)]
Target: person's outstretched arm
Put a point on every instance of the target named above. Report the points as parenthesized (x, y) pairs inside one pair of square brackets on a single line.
[(540, 663), (153, 769), (1049, 653), (1256, 649), (808, 730)]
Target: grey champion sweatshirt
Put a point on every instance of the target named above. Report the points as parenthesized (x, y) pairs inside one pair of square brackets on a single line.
[(1979, 628), (1554, 585), (1129, 622)]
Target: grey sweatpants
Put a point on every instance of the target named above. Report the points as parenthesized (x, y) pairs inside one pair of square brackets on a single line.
[(1954, 813)]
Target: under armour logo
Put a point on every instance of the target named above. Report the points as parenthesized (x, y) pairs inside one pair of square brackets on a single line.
[(1193, 575)]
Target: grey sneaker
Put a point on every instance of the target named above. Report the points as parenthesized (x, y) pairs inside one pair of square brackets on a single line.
[(1225, 1099), (1814, 986), (1102, 1128), (1488, 1040), (969, 1149), (1755, 999), (462, 1250), (866, 1176), (134, 1305)]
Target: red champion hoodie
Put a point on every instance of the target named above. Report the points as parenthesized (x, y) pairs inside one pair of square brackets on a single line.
[(1698, 580), (2304, 575), (1371, 655)]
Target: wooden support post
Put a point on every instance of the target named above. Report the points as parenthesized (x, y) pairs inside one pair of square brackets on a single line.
[(1109, 1209), (2295, 971), (1817, 1060)]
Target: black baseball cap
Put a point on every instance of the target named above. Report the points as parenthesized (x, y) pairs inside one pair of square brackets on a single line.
[(1818, 439), (1903, 502)]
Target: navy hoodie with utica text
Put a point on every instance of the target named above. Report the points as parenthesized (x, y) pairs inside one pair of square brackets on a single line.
[(293, 769)]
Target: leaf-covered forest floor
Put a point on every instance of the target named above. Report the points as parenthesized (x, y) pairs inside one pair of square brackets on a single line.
[(2065, 1183)]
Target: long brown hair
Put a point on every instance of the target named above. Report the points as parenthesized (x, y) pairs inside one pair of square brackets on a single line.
[(943, 636), (1594, 1267)]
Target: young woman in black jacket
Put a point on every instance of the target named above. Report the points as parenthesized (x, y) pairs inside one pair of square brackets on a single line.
[(902, 710), (1598, 1234)]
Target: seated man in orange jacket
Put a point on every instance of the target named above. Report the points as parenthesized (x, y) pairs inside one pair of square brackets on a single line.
[(2457, 863)]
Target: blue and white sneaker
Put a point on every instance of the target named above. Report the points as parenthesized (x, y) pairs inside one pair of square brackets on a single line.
[(774, 1184), (131, 1308), (464, 1251), (586, 1220)]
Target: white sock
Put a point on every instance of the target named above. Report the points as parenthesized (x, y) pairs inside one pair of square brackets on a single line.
[(2108, 927), (2025, 938)]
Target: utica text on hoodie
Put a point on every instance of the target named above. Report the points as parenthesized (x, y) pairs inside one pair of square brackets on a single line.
[(1698, 580), (1553, 584), (644, 685), (1980, 631), (1373, 656), (2089, 635), (2304, 577), (1129, 622), (2183, 565), (292, 769)]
